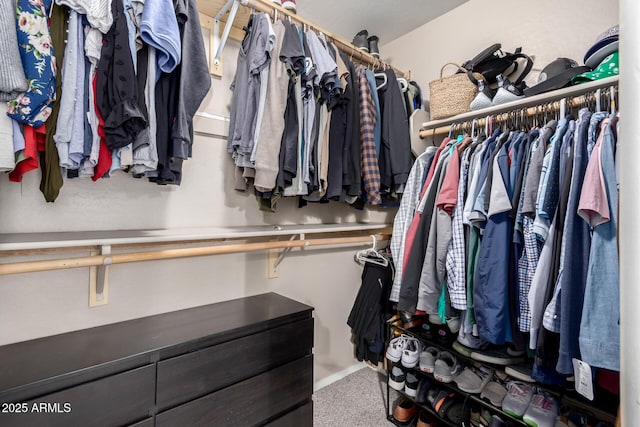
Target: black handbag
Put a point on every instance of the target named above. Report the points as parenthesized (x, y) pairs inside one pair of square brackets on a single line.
[(493, 61)]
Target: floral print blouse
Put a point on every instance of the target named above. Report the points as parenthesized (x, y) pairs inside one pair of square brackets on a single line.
[(33, 107)]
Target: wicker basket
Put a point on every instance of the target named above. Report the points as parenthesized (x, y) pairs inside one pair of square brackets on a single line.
[(451, 95)]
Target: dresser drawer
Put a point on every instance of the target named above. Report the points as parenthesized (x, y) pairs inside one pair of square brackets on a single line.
[(299, 417), (112, 401), (249, 402), (196, 374)]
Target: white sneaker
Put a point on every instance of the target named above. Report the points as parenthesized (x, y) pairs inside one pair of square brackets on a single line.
[(411, 353), (396, 347), (289, 5)]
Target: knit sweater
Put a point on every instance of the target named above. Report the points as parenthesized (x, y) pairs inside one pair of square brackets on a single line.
[(12, 78), (98, 12)]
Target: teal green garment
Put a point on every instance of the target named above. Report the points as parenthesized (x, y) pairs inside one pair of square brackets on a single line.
[(607, 68), (442, 304)]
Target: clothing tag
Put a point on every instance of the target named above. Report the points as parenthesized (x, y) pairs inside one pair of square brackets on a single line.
[(584, 379)]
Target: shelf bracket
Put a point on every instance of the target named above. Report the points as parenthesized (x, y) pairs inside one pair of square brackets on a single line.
[(276, 257), (220, 42), (99, 279)]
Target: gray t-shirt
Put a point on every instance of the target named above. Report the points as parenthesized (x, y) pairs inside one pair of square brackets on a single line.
[(252, 59), (535, 169)]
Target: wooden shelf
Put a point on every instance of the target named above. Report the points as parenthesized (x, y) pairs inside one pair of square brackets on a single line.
[(57, 240)]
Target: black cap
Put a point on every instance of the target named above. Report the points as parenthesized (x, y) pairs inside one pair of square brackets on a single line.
[(556, 75)]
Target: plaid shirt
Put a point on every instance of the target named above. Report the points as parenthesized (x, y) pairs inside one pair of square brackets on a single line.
[(456, 266), (368, 154), (526, 269)]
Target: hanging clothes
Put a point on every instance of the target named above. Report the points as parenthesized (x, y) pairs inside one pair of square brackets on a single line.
[(370, 311), (395, 152), (601, 311), (502, 233)]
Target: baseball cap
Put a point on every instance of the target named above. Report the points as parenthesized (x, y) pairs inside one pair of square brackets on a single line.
[(606, 43), (556, 75), (607, 68)]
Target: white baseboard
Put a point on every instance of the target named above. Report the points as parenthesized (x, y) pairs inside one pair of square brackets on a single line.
[(338, 376)]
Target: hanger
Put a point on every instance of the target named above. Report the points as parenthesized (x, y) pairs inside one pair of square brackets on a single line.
[(612, 101), (371, 255), (384, 80), (404, 84)]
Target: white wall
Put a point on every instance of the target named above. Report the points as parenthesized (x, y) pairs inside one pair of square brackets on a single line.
[(546, 29), (40, 304)]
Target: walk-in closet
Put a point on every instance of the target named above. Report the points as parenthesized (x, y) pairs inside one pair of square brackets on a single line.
[(295, 213)]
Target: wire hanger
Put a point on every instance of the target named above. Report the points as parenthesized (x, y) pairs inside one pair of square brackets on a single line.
[(371, 255)]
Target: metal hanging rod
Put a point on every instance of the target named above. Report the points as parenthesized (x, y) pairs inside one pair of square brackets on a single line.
[(276, 11), (575, 96), (122, 258)]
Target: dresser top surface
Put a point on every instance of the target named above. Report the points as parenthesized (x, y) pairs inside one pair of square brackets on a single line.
[(46, 358)]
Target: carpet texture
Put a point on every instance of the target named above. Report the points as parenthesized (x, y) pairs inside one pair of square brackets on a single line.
[(357, 400)]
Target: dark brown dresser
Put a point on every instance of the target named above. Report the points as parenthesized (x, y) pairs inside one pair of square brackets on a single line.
[(245, 362)]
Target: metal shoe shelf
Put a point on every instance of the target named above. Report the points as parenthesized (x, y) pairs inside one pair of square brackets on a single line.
[(566, 397), (426, 407), (469, 398)]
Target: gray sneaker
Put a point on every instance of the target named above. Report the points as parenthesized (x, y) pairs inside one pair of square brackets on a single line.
[(446, 368), (428, 359), (519, 394), (474, 378), (542, 410)]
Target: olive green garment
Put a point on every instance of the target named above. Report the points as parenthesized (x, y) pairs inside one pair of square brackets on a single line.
[(51, 180)]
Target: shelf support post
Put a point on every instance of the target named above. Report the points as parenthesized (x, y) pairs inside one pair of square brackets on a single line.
[(276, 257), (220, 42), (99, 279)]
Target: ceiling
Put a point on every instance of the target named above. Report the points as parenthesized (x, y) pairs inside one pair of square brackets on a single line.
[(388, 19)]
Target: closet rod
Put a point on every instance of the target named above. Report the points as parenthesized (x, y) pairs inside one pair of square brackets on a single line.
[(98, 260), (267, 6), (441, 127)]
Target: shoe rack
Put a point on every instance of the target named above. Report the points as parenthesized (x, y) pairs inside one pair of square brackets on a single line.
[(566, 397)]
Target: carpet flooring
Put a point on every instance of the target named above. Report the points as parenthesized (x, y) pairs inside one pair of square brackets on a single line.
[(357, 400)]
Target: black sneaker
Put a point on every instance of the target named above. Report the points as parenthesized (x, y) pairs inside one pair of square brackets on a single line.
[(397, 377), (360, 40), (496, 421), (411, 384), (423, 389), (373, 46)]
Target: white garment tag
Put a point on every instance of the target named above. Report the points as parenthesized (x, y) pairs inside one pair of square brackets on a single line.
[(584, 381)]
